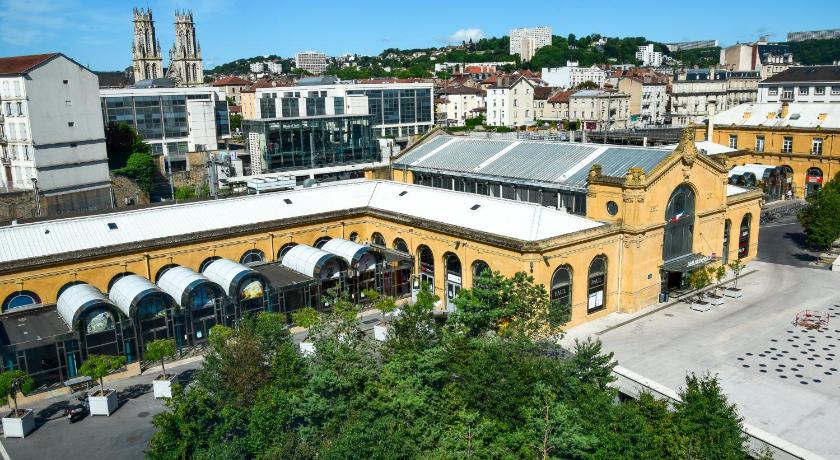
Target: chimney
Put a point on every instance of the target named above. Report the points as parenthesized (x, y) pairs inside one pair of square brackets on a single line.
[(711, 107)]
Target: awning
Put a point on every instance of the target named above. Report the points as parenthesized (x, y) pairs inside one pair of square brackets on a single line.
[(78, 298), (130, 290), (180, 282), (229, 275), (687, 263), (357, 256), (312, 262)]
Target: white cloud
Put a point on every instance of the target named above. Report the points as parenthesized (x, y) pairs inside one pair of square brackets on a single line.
[(464, 35)]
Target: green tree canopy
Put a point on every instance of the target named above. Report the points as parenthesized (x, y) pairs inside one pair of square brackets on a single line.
[(121, 140), (98, 367)]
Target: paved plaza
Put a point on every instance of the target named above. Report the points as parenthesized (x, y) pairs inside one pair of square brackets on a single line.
[(784, 378)]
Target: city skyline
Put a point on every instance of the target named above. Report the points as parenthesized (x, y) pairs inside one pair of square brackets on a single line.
[(98, 33)]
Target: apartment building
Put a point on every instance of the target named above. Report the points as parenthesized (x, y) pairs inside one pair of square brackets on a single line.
[(802, 84), (525, 41), (827, 34), (311, 61), (459, 103), (697, 91), (233, 87), (648, 100), (510, 102), (599, 110), (573, 75), (766, 58), (51, 135), (648, 56)]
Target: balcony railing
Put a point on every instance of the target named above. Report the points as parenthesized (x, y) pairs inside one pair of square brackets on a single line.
[(2, 139)]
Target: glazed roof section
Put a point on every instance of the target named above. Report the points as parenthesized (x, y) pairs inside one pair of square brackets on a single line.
[(562, 165), (522, 221), (799, 115)]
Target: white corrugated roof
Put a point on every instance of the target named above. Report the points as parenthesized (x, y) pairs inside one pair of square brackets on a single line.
[(178, 281), (226, 273), (507, 218), (757, 169), (712, 148), (800, 115), (734, 190), (128, 290), (75, 299)]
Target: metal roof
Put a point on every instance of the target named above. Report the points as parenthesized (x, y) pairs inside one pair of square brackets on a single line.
[(352, 253), (526, 222), (130, 290), (565, 165), (78, 298), (310, 261), (180, 282), (27, 328), (799, 115)]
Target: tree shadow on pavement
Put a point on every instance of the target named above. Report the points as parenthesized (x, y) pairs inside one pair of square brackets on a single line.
[(133, 392), (186, 377), (799, 239), (52, 412)]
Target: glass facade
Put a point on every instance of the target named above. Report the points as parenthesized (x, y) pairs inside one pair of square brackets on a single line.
[(311, 143), (398, 106), (222, 119)]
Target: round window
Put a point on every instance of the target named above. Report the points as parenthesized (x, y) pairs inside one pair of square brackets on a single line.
[(612, 208)]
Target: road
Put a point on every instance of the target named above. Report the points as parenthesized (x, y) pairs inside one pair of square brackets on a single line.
[(783, 242)]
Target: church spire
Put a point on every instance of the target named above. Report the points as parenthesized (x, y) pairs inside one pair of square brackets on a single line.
[(146, 61), (185, 63)]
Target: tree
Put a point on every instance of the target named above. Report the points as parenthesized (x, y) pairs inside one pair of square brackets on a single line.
[(121, 140), (821, 218), (235, 122), (305, 317), (737, 267), (587, 85), (590, 366), (159, 350), (12, 382), (141, 169), (99, 366), (716, 274), (712, 425), (699, 279)]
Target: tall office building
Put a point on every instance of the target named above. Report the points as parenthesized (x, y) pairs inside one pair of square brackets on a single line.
[(185, 65), (146, 62), (525, 41), (813, 35)]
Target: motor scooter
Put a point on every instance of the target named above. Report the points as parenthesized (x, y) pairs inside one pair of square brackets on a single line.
[(78, 411)]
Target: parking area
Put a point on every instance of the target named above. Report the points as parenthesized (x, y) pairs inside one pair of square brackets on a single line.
[(783, 378)]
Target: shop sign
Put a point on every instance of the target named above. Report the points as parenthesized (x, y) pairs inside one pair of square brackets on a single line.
[(815, 179), (698, 261)]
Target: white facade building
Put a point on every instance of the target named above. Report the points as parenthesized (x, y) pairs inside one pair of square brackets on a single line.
[(510, 102), (274, 67), (802, 84), (173, 121), (525, 41), (459, 103), (573, 75), (648, 56), (257, 67), (311, 61), (600, 110), (813, 35), (398, 109), (51, 132)]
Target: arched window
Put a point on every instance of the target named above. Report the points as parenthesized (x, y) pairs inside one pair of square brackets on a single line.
[(116, 278), (744, 236), (597, 286), (20, 299), (427, 265), (284, 249), (252, 256), (560, 296), (727, 229), (679, 223), (478, 269), (813, 180), (453, 275), (354, 236), (99, 320), (400, 245), (67, 285), (377, 240), (206, 263), (203, 296), (163, 270), (320, 242)]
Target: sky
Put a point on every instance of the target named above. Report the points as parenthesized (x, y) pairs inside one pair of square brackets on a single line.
[(98, 33)]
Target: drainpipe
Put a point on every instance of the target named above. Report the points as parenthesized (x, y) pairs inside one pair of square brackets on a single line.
[(711, 109), (621, 270)]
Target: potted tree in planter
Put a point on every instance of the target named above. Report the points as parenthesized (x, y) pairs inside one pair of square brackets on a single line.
[(19, 422), (306, 318), (737, 267), (716, 275), (102, 401), (698, 280), (159, 350), (387, 305)]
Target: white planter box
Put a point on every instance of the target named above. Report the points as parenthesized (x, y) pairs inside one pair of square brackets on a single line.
[(381, 331), (162, 388), (307, 348), (715, 301), (733, 294), (701, 306), (103, 405), (19, 427)]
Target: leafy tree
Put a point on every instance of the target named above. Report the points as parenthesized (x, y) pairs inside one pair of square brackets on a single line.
[(99, 366), (587, 85), (711, 424), (159, 350), (235, 122), (305, 317), (122, 140), (558, 431), (699, 279), (590, 366), (737, 267), (474, 122), (141, 169), (821, 218), (415, 329), (12, 382)]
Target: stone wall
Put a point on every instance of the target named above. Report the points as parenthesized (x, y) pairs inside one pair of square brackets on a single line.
[(16, 205), (127, 193)]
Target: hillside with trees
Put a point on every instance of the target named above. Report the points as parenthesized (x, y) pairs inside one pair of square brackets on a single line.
[(487, 383)]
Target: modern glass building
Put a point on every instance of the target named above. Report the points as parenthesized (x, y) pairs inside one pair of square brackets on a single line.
[(398, 109), (172, 121), (283, 144)]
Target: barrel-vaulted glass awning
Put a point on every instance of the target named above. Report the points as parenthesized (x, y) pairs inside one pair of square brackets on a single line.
[(230, 275), (130, 291), (687, 263), (180, 282), (313, 262), (75, 300), (357, 256)]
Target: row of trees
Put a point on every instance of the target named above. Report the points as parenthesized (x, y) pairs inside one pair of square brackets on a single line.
[(821, 218), (489, 382)]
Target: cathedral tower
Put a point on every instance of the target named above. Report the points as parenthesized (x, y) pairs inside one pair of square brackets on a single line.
[(185, 66), (146, 61)]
